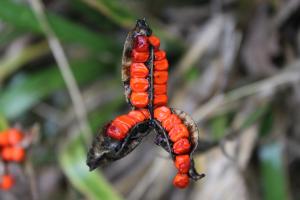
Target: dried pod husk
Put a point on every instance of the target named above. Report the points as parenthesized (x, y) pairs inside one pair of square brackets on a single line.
[(141, 28), (194, 137), (191, 126), (105, 149), (163, 140)]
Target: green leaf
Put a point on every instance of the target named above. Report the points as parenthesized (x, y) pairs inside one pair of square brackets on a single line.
[(92, 184), (192, 74), (272, 172), (126, 17), (15, 61), (3, 123), (266, 124), (22, 17), (9, 33), (73, 156), (20, 97), (114, 10), (254, 116), (219, 125), (92, 16)]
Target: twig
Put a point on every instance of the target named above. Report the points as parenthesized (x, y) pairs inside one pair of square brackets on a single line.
[(147, 180), (32, 180), (64, 67), (263, 87), (209, 35), (288, 76)]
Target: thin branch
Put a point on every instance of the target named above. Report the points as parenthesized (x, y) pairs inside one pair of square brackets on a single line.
[(208, 35), (64, 67), (263, 87)]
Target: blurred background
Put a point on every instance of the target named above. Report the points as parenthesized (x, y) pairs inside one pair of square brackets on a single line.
[(234, 66)]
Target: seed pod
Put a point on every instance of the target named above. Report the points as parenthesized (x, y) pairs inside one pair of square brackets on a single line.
[(181, 119), (145, 77), (137, 35), (193, 138), (113, 143)]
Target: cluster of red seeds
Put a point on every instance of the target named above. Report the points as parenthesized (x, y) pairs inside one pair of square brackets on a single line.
[(179, 135), (119, 127), (140, 84), (11, 151), (139, 72)]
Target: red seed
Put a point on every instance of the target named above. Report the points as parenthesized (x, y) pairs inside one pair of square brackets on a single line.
[(139, 99), (146, 113), (159, 55), (121, 126), (182, 146), (182, 163), (7, 153), (7, 182), (15, 136), (160, 77), (138, 70), (18, 154), (141, 43), (161, 65), (154, 41), (178, 131), (115, 132), (161, 113), (169, 123), (139, 84), (160, 89), (181, 181), (4, 141), (127, 120), (139, 57), (137, 115), (160, 100)]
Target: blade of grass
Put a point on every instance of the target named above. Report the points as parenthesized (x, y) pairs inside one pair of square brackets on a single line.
[(92, 16), (120, 14), (8, 34), (92, 184), (73, 155), (3, 123), (114, 10), (22, 17), (219, 126), (65, 69), (255, 115), (20, 97), (272, 172), (13, 62)]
